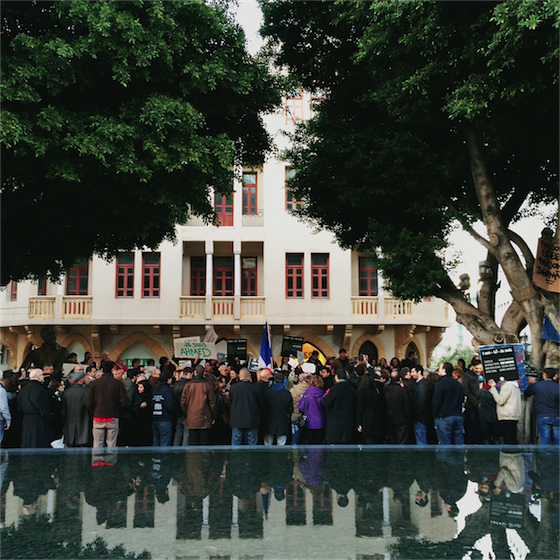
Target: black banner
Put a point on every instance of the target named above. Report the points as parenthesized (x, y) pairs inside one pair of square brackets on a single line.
[(499, 361), (291, 345), (237, 348)]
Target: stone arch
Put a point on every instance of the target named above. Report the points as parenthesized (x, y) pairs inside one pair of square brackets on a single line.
[(230, 335), (10, 342), (156, 347), (77, 337), (373, 339), (401, 349)]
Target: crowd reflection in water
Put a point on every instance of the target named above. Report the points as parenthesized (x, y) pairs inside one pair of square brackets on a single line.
[(219, 488)]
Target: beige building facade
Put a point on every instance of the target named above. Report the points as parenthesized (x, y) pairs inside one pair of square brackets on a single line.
[(259, 263)]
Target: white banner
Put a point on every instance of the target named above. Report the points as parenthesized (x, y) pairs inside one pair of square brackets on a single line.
[(185, 349)]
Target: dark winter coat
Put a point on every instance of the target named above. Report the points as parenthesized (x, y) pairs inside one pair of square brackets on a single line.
[(78, 421), (420, 394), (198, 404), (33, 401), (399, 404), (245, 405), (470, 388), (340, 404), (370, 412), (163, 404), (314, 399), (280, 406), (106, 397)]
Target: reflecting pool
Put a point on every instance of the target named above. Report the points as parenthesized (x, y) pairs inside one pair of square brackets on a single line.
[(361, 503)]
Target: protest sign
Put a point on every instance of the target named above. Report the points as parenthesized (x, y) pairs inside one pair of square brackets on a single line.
[(291, 345), (184, 348), (499, 361)]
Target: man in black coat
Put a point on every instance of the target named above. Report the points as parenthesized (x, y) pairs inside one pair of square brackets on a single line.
[(340, 404), (399, 411), (280, 406), (33, 401), (245, 406), (78, 422), (420, 394)]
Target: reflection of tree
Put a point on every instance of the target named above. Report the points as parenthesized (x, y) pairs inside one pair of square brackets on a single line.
[(35, 538)]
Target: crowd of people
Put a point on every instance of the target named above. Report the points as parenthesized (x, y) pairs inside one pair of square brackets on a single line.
[(213, 403)]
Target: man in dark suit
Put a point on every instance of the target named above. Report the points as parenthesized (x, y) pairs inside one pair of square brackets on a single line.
[(245, 406), (340, 404)]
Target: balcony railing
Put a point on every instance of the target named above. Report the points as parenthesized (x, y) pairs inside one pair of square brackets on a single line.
[(76, 307), (41, 307), (364, 306), (397, 308), (222, 307), (252, 307), (195, 221), (253, 220), (192, 306)]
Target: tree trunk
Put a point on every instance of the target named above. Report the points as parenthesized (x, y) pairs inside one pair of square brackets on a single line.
[(501, 247)]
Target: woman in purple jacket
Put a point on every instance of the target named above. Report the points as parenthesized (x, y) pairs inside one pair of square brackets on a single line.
[(313, 399)]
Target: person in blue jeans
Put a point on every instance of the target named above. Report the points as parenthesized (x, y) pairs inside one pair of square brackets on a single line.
[(447, 407), (245, 409), (163, 407), (547, 406)]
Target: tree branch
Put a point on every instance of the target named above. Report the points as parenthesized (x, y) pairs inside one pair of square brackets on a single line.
[(525, 251)]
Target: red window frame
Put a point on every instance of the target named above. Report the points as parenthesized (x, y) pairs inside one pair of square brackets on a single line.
[(367, 278), (13, 291), (151, 275), (223, 204), (291, 202), (42, 287), (249, 193), (294, 275), (223, 276), (248, 276), (294, 108), (124, 284), (319, 275), (77, 276), (198, 276)]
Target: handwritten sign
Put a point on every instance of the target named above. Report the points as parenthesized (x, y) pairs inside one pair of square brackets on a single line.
[(185, 349), (291, 345), (546, 272)]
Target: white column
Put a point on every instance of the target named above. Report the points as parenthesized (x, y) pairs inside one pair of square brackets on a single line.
[(205, 514), (380, 296), (237, 280), (209, 277)]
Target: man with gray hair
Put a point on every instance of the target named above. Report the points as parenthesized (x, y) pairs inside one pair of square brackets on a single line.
[(33, 401)]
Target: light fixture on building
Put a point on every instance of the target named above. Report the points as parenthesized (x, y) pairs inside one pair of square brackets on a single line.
[(485, 271)]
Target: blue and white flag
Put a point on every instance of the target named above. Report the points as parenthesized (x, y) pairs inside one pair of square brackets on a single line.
[(265, 358)]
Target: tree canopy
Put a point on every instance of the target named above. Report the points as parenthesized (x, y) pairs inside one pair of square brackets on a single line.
[(434, 114), (117, 118)]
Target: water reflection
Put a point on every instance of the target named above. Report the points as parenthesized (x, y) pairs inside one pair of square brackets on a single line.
[(323, 502)]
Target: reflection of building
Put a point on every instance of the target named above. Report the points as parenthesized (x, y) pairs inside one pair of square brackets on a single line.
[(260, 263)]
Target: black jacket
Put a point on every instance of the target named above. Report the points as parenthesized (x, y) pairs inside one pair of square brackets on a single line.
[(448, 397), (340, 404), (399, 404), (370, 412), (280, 406), (420, 394), (245, 405)]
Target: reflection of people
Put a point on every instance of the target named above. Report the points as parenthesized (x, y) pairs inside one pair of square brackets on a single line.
[(50, 352)]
